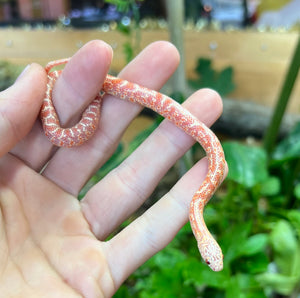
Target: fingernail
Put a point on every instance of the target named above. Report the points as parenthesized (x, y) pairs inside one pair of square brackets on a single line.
[(23, 72)]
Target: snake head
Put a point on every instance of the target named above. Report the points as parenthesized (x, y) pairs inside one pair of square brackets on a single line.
[(212, 254)]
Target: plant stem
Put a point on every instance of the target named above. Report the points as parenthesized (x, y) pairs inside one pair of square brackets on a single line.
[(175, 12), (290, 197), (273, 129), (137, 38)]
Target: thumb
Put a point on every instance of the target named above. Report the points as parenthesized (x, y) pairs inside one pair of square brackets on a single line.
[(20, 105)]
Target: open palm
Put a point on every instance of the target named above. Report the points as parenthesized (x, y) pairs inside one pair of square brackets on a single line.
[(52, 245)]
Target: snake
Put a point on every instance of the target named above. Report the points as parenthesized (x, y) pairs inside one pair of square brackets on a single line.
[(169, 109)]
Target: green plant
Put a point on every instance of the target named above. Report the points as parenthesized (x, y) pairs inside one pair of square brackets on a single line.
[(287, 87), (132, 46), (207, 77), (259, 235)]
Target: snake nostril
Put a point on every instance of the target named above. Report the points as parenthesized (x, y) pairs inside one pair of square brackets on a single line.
[(207, 262)]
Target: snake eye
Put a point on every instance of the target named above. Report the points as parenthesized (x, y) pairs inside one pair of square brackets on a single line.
[(207, 262)]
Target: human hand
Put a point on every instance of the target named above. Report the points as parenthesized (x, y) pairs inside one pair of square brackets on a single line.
[(51, 244)]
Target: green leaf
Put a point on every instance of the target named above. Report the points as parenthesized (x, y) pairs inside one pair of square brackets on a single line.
[(254, 244), (169, 258), (270, 187), (250, 254), (243, 286), (283, 238), (296, 265), (122, 5), (297, 191), (280, 283), (209, 78), (254, 264), (164, 277), (200, 274), (247, 165), (284, 243), (289, 148), (224, 84), (237, 234), (233, 289), (294, 218)]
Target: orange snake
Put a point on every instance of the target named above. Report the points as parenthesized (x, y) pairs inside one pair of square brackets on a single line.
[(168, 108)]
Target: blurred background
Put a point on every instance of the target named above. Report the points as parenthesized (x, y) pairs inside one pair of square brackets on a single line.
[(281, 13), (248, 51)]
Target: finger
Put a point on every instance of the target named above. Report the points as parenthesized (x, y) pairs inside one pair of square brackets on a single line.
[(81, 81), (152, 231), (20, 105), (123, 190), (78, 84), (151, 68)]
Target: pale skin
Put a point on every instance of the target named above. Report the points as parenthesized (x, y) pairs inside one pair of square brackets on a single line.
[(52, 245)]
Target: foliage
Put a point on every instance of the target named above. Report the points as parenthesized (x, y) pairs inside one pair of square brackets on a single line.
[(123, 5), (271, 134), (132, 45), (207, 77), (256, 220)]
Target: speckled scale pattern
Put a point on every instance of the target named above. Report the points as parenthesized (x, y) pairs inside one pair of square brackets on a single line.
[(169, 109)]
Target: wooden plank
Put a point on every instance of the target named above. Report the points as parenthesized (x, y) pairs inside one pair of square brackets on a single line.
[(260, 60)]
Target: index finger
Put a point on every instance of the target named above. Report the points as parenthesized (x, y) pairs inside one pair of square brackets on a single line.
[(80, 81), (19, 106)]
